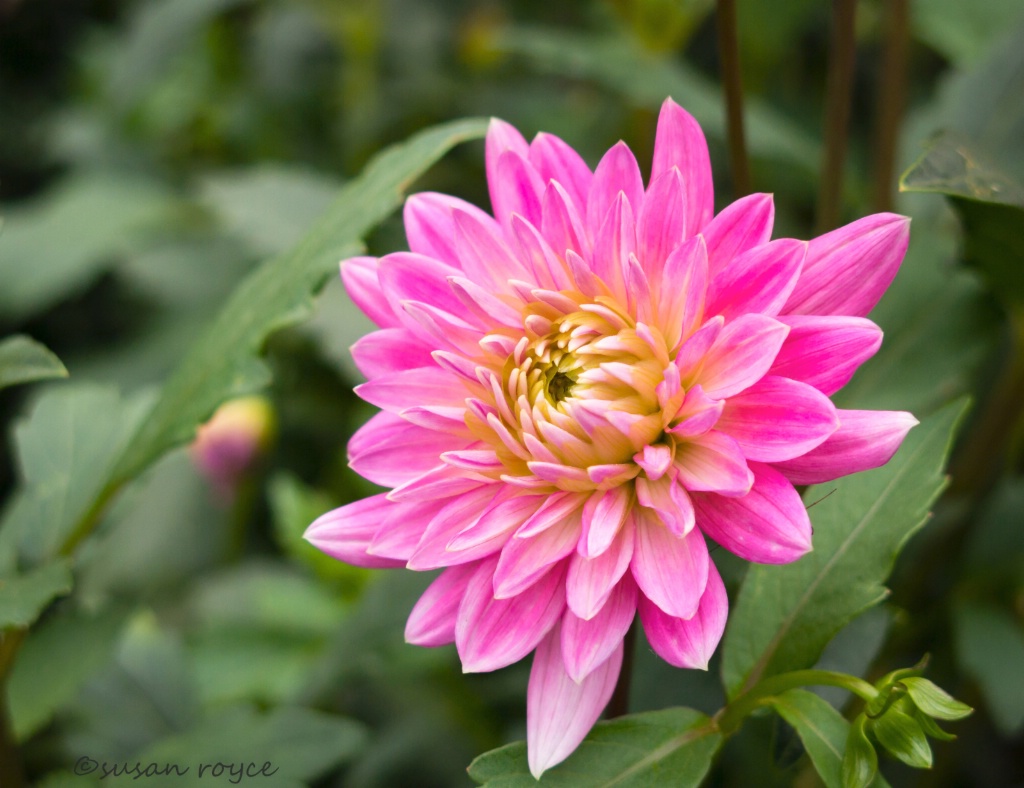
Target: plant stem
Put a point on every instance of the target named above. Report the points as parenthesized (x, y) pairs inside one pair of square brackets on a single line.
[(732, 715), (732, 82), (838, 93), (892, 85), (619, 704)]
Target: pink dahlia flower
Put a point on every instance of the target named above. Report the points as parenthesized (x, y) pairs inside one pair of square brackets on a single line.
[(578, 390)]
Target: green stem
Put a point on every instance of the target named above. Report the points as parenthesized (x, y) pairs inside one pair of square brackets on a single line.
[(892, 88), (761, 694), (11, 771), (838, 92), (732, 82)]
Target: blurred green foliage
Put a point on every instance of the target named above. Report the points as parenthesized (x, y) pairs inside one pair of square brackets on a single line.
[(156, 155)]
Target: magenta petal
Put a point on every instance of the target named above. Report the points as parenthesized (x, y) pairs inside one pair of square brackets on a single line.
[(554, 160), (424, 386), (390, 451), (679, 142), (616, 172), (359, 275), (824, 352), (519, 189), (848, 269), (697, 414), (741, 355), (430, 227), (524, 560), (405, 276), (346, 532), (432, 621), (501, 137), (671, 571), (686, 274), (778, 419), (688, 643), (740, 227), (560, 712), (586, 644), (759, 280), (492, 633), (661, 226), (591, 580), (768, 525), (613, 244), (865, 439), (390, 350), (483, 254), (562, 224), (713, 462)]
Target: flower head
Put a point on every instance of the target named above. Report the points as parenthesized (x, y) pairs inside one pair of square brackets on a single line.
[(579, 389)]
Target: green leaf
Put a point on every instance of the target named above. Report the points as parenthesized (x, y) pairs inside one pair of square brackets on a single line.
[(58, 244), (645, 79), (900, 734), (935, 701), (822, 730), (673, 747), (784, 616), (23, 360), (860, 761), (990, 648), (224, 363), (964, 32), (23, 597), (990, 204)]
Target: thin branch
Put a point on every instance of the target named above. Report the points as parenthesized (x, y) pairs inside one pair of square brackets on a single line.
[(892, 88), (838, 94), (732, 82), (619, 704)]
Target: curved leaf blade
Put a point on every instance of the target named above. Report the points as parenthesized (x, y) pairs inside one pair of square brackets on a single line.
[(23, 360)]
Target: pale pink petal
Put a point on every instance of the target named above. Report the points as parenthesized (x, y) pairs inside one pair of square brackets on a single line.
[(346, 532), (759, 280), (442, 481), (557, 161), (778, 419), (458, 514), (405, 276), (492, 633), (425, 386), (591, 580), (432, 620), (769, 525), (430, 227), (444, 328), (501, 137), (865, 439), (740, 227), (741, 355), (688, 643), (555, 509), (586, 644), (824, 352), (360, 277), (562, 224), (613, 244), (848, 269), (669, 501), (690, 357), (661, 226), (487, 308), (389, 450), (560, 712), (524, 561), (497, 522), (603, 516), (685, 275), (713, 462), (545, 267), (679, 142), (697, 414), (390, 350), (401, 530), (671, 571), (518, 190), (439, 418), (616, 172), (655, 460)]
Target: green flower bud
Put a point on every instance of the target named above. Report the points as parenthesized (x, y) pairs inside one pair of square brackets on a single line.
[(860, 762), (935, 701), (902, 736)]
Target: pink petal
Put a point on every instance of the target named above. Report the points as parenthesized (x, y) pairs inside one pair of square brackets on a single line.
[(740, 227), (616, 172), (544, 266), (865, 439), (556, 509), (778, 419), (560, 712), (587, 644), (557, 161), (483, 254), (562, 224), (848, 269), (430, 227), (458, 514), (439, 482), (432, 620), (360, 277), (487, 308), (390, 350), (524, 560), (759, 280), (690, 357), (713, 462), (591, 580), (405, 276), (688, 643), (492, 633), (518, 190), (501, 137), (661, 226), (671, 571), (769, 525), (741, 355), (669, 501), (346, 532), (824, 352), (614, 243), (389, 450), (655, 460), (697, 414), (400, 532), (603, 516), (425, 386), (497, 522), (686, 274), (679, 142)]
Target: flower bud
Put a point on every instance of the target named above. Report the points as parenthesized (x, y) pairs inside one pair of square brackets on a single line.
[(230, 443)]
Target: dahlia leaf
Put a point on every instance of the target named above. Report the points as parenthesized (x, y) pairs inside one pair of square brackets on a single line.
[(23, 360), (225, 363), (784, 616), (670, 747), (823, 732)]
